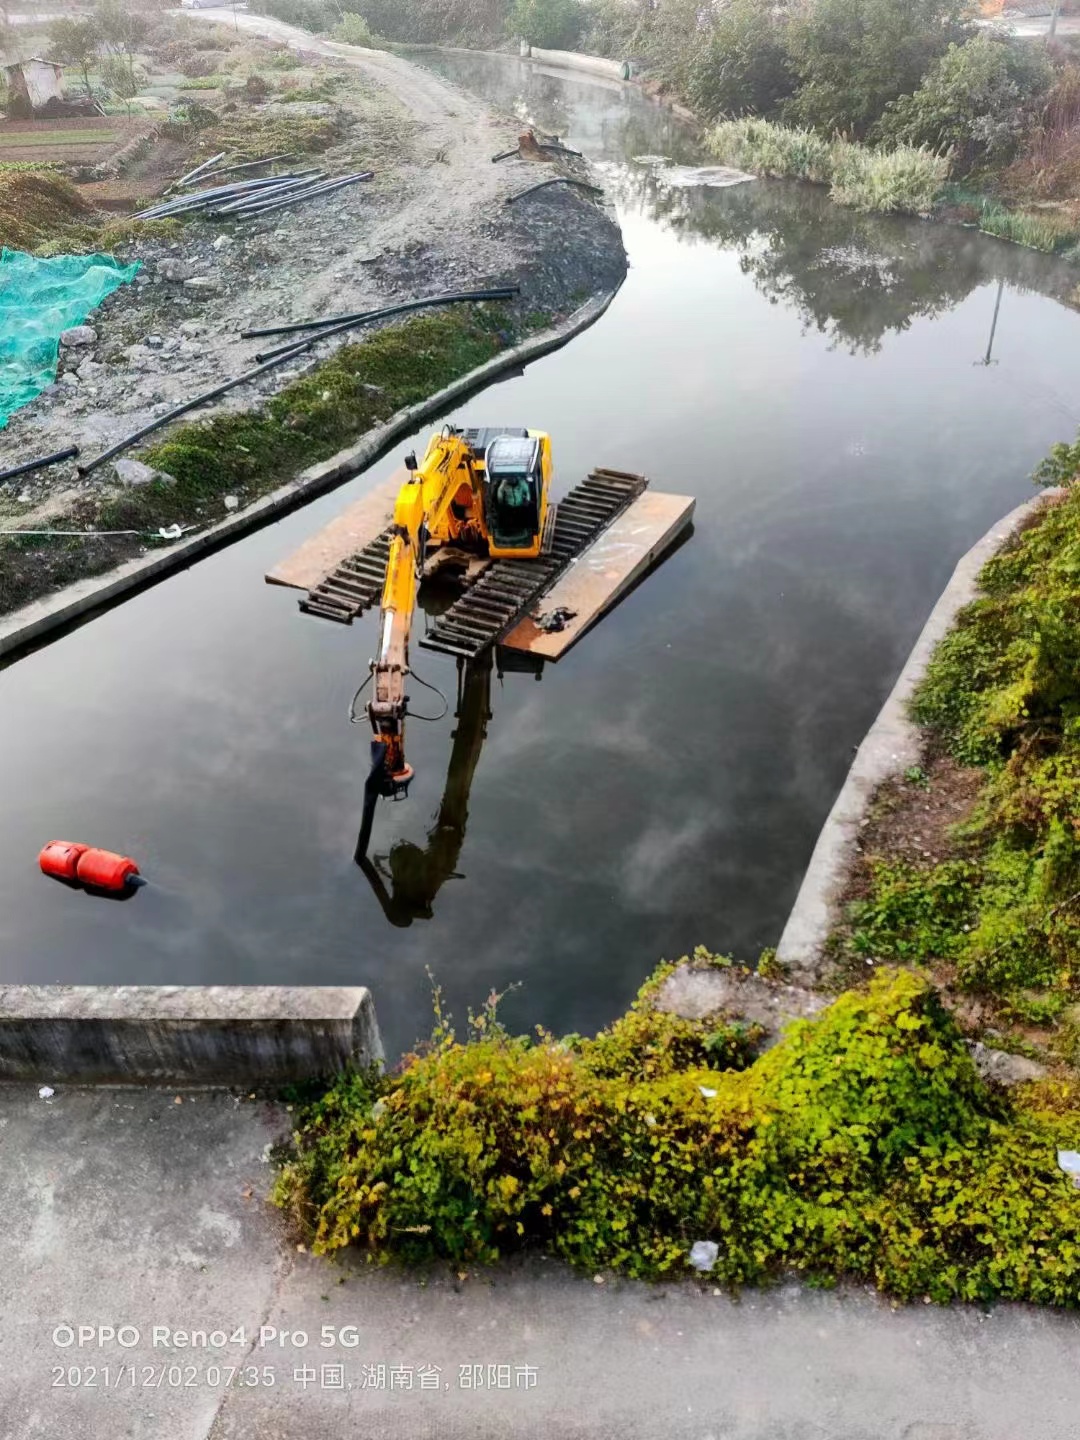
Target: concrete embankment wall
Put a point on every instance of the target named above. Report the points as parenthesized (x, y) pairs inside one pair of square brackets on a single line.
[(589, 64), (236, 1035), (892, 744)]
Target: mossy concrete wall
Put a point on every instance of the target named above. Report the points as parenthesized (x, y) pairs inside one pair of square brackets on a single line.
[(243, 1035)]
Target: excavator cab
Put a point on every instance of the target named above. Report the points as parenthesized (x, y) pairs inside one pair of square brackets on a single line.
[(516, 493)]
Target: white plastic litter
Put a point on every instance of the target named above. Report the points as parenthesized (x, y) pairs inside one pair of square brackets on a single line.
[(709, 1094), (1069, 1161), (170, 532), (46, 1092), (703, 1255)]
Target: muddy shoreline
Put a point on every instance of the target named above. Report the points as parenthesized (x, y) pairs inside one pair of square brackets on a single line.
[(435, 219)]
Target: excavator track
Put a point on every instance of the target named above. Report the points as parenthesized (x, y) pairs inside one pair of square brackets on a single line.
[(505, 590), (508, 589)]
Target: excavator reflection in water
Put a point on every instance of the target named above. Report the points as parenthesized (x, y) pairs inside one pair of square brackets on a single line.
[(408, 878)]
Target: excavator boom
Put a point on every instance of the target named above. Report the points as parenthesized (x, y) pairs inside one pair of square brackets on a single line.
[(491, 502)]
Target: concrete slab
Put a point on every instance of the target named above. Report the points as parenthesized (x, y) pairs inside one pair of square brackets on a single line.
[(124, 1208), (249, 1035), (604, 572)]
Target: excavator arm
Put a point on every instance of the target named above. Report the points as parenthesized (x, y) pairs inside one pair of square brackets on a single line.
[(441, 500)]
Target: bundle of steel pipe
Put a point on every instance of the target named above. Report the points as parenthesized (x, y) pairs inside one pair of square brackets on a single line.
[(262, 204), (202, 199), (246, 165), (234, 205)]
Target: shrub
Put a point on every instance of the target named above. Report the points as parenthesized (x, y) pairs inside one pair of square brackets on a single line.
[(915, 915), (353, 29), (766, 148), (851, 57), (863, 1144), (974, 101), (742, 67), (902, 181), (905, 180)]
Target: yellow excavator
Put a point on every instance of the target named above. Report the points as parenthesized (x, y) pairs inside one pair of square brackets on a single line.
[(474, 494)]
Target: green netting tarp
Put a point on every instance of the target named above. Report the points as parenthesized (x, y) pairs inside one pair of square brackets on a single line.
[(39, 299)]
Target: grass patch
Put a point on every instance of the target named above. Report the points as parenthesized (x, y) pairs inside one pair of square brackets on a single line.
[(904, 180), (23, 139), (1052, 233), (863, 1145), (247, 136)]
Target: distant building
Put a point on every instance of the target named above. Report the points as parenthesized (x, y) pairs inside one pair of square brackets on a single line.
[(32, 84)]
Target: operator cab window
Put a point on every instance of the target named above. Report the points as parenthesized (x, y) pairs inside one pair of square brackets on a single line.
[(513, 466)]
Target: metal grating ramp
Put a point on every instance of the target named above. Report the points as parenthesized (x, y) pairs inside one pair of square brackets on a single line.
[(353, 586), (507, 589)]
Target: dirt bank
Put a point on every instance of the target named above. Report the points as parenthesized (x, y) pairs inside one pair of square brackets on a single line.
[(434, 219)]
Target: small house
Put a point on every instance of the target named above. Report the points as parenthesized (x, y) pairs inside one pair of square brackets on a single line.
[(32, 84)]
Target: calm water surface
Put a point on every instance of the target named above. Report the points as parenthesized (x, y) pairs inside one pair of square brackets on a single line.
[(814, 379)]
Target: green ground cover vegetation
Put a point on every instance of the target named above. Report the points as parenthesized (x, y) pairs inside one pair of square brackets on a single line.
[(863, 1145)]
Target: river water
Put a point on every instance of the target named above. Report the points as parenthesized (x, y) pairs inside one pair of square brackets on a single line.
[(817, 380)]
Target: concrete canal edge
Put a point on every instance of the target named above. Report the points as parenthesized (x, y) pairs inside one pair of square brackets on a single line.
[(192, 1035), (891, 746), (31, 623)]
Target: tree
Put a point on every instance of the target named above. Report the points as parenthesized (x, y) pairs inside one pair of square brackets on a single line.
[(551, 24), (122, 30), (975, 100), (122, 78), (75, 42), (851, 57)]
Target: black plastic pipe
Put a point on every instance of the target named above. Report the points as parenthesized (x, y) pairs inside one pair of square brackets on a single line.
[(353, 321), (270, 362), (562, 180), (68, 454), (203, 399), (503, 292)]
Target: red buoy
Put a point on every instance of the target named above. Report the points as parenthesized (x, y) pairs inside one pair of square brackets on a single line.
[(101, 869), (60, 858)]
